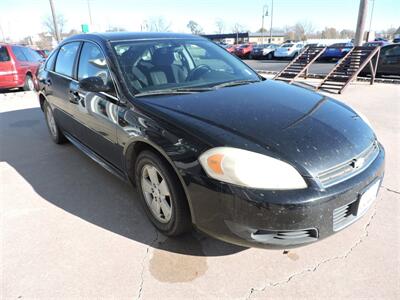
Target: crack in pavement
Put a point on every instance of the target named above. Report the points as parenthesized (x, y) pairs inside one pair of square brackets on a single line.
[(313, 269), (143, 265), (391, 190)]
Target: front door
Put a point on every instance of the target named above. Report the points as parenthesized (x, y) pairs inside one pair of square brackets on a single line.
[(96, 113)]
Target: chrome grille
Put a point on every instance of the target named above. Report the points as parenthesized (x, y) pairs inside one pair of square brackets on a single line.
[(349, 168)]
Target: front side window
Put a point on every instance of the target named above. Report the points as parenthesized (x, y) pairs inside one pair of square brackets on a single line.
[(66, 58), (4, 56), (93, 63), (19, 54), (176, 63)]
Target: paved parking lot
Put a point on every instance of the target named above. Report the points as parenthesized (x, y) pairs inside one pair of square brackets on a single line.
[(277, 65), (69, 229)]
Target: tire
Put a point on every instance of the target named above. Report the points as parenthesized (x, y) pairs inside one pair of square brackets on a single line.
[(270, 56), (153, 194), (29, 85), (55, 132)]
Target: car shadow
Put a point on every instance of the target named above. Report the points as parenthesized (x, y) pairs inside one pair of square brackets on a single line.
[(68, 179)]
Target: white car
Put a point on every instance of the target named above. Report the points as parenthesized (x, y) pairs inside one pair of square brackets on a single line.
[(289, 50)]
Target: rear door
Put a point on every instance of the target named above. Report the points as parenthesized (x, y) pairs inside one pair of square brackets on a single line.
[(22, 62), (96, 113), (58, 84)]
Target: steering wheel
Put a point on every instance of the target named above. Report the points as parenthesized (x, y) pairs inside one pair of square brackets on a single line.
[(197, 72)]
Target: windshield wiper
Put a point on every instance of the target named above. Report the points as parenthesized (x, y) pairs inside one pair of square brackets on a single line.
[(234, 83), (184, 90)]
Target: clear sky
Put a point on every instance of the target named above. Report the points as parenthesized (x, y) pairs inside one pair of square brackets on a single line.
[(20, 18)]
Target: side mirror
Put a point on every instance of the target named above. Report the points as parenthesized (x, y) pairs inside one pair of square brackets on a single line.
[(94, 84)]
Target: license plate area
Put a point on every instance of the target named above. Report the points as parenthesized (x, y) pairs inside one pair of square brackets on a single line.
[(367, 198)]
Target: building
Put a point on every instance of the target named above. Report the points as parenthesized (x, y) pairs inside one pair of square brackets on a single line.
[(229, 38), (264, 37)]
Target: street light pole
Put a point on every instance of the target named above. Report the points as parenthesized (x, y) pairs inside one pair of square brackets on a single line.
[(264, 13), (270, 28), (362, 16), (53, 13)]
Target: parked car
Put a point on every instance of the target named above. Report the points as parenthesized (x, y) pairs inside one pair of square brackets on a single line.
[(229, 48), (263, 51), (376, 44), (388, 63), (208, 142), (43, 53), (336, 51), (243, 51), (289, 50), (18, 67), (396, 40)]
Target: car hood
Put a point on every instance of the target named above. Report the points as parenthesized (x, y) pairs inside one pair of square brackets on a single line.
[(308, 129)]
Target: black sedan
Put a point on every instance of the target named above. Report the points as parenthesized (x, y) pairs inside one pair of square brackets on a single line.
[(208, 142), (388, 63)]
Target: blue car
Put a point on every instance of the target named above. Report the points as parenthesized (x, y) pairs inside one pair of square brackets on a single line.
[(336, 51)]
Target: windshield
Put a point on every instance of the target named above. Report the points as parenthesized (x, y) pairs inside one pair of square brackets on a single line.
[(172, 64)]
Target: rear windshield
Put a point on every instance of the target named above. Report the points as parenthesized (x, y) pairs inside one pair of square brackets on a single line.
[(287, 45), (4, 54), (372, 44), (340, 45)]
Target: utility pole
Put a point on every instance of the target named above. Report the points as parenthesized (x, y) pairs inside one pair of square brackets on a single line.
[(90, 15), (362, 17), (2, 34), (53, 13), (270, 28), (370, 19)]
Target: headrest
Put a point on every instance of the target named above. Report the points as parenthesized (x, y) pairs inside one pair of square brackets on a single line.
[(163, 56)]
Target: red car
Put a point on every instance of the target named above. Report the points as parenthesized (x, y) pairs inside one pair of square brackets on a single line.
[(230, 48), (243, 51), (43, 52), (18, 66)]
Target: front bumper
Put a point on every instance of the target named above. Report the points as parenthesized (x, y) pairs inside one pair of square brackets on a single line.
[(278, 219)]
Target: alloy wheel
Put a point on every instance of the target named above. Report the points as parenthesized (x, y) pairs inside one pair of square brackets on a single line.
[(50, 121), (156, 193)]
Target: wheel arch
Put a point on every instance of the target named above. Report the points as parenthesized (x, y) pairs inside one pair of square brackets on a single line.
[(130, 157)]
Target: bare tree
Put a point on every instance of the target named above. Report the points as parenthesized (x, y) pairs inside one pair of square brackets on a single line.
[(347, 34), (194, 27), (302, 29), (158, 24), (220, 24), (330, 33), (236, 28), (289, 33), (49, 25)]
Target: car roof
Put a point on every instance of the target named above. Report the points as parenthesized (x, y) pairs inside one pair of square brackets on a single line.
[(126, 36)]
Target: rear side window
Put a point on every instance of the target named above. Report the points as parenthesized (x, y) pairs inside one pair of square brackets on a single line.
[(49, 66), (394, 50), (31, 55), (19, 53), (66, 58), (4, 56)]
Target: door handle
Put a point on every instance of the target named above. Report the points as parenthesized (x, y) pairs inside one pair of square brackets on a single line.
[(74, 97)]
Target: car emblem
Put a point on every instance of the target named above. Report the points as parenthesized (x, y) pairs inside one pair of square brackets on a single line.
[(358, 163)]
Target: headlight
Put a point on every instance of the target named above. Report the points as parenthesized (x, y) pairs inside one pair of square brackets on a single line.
[(250, 169)]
